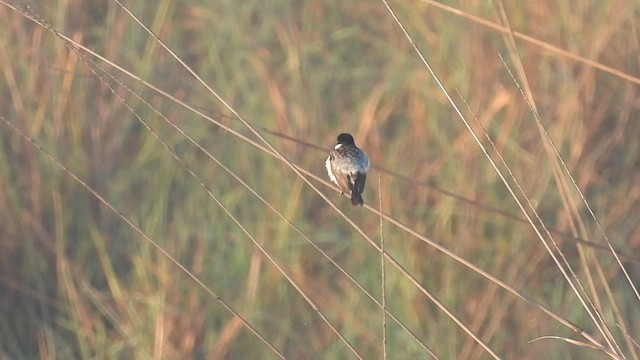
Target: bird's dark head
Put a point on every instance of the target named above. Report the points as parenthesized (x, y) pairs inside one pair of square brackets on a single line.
[(345, 139)]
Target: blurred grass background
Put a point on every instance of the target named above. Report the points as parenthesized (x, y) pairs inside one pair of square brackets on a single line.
[(77, 282)]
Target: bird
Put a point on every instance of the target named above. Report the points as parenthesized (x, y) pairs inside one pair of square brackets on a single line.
[(347, 166)]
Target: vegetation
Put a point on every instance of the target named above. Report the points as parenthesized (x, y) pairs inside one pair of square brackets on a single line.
[(135, 258)]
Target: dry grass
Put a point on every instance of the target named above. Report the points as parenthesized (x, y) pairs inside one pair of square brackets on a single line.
[(195, 228)]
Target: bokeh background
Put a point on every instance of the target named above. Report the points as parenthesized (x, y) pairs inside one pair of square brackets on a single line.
[(79, 282)]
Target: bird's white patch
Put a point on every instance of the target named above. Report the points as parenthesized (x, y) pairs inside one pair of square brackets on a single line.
[(327, 164), (337, 146)]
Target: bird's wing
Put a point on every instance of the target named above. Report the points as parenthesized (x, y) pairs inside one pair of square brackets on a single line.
[(360, 179)]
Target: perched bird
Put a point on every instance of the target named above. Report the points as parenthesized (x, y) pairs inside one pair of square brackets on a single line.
[(347, 166)]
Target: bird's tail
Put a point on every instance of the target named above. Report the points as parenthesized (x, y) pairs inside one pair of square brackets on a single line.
[(358, 188)]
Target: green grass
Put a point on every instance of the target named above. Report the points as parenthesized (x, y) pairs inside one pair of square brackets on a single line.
[(78, 282)]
